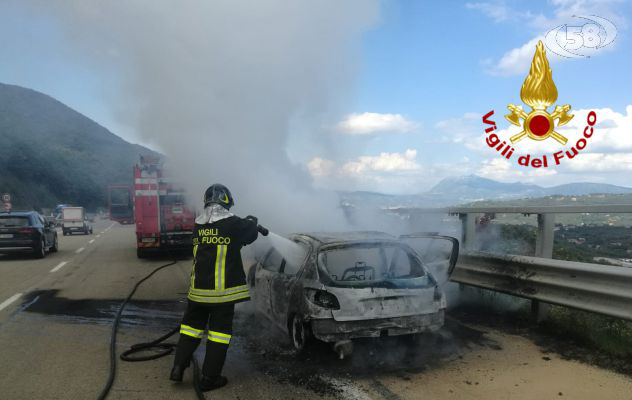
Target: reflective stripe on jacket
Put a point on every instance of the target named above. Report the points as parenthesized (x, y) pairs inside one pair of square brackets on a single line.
[(218, 273)]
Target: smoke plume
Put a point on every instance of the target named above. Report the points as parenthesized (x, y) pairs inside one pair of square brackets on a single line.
[(220, 87)]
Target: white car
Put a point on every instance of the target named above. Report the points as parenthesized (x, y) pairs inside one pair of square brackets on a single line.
[(352, 285)]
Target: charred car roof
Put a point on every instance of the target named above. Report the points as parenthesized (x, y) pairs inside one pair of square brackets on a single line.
[(324, 238)]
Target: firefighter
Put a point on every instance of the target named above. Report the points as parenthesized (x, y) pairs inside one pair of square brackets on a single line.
[(218, 282)]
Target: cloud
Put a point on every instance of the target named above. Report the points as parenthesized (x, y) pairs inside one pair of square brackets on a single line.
[(499, 11), (385, 162), (394, 173), (601, 162), (517, 60), (382, 163), (501, 169), (460, 130), (612, 133), (370, 123), (606, 158)]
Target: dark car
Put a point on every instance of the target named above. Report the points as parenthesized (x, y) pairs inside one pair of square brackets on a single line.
[(27, 231), (336, 287)]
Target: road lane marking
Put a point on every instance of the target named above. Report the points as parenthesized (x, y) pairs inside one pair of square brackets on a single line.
[(10, 300), (80, 249), (98, 236), (102, 232), (90, 242), (59, 266)]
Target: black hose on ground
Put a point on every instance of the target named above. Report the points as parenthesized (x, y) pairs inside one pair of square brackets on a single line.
[(167, 348)]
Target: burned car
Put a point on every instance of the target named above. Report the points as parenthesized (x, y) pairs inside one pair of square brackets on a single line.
[(335, 287)]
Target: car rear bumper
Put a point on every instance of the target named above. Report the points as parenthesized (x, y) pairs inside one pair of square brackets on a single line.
[(330, 330), (75, 228), (18, 247)]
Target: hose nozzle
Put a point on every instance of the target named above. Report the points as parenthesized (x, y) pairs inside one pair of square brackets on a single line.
[(262, 230)]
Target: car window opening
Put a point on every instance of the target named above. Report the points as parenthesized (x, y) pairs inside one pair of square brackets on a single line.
[(372, 265), (13, 221), (287, 264)]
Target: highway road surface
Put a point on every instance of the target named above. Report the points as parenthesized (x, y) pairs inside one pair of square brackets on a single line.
[(56, 315)]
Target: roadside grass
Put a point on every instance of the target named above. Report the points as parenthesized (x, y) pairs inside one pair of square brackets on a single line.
[(611, 335), (606, 335)]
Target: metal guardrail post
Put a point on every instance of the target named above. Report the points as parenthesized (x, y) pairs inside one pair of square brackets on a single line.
[(545, 236), (543, 248), (468, 233)]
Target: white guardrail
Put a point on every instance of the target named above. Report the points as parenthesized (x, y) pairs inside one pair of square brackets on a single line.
[(603, 289)]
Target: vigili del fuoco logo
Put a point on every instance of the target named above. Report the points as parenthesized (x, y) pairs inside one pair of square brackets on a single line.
[(539, 93)]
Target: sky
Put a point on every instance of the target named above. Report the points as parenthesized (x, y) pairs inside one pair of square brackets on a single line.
[(424, 73)]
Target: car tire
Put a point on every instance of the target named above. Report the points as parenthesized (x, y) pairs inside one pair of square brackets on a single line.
[(55, 246), (300, 334), (40, 251)]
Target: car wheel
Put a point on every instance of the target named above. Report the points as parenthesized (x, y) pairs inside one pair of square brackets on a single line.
[(300, 334), (40, 251), (55, 247)]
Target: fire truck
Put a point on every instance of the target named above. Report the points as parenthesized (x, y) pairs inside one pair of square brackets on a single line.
[(120, 204), (163, 219)]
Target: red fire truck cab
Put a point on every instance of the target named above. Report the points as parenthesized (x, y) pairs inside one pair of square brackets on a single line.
[(163, 219)]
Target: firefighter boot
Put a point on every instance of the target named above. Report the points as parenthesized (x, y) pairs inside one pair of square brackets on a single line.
[(212, 383), (176, 373)]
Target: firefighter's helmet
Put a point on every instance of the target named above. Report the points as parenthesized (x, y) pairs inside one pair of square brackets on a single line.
[(218, 194)]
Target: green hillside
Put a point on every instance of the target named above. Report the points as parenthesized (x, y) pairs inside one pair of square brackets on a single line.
[(52, 154), (623, 220), (586, 237)]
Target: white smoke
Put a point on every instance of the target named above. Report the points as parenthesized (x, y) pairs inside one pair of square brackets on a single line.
[(217, 86)]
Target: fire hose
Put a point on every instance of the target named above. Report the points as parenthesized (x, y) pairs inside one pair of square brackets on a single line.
[(164, 348)]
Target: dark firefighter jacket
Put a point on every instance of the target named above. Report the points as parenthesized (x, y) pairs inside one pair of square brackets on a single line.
[(218, 273)]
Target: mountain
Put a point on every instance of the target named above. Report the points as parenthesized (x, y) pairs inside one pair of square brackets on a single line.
[(475, 188), (472, 188), (51, 154), (583, 188), (378, 200)]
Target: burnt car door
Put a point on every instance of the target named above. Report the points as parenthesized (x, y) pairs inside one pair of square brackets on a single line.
[(283, 282), (437, 252), (266, 270)]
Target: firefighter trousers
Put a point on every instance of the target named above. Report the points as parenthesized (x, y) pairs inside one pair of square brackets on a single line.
[(197, 317)]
